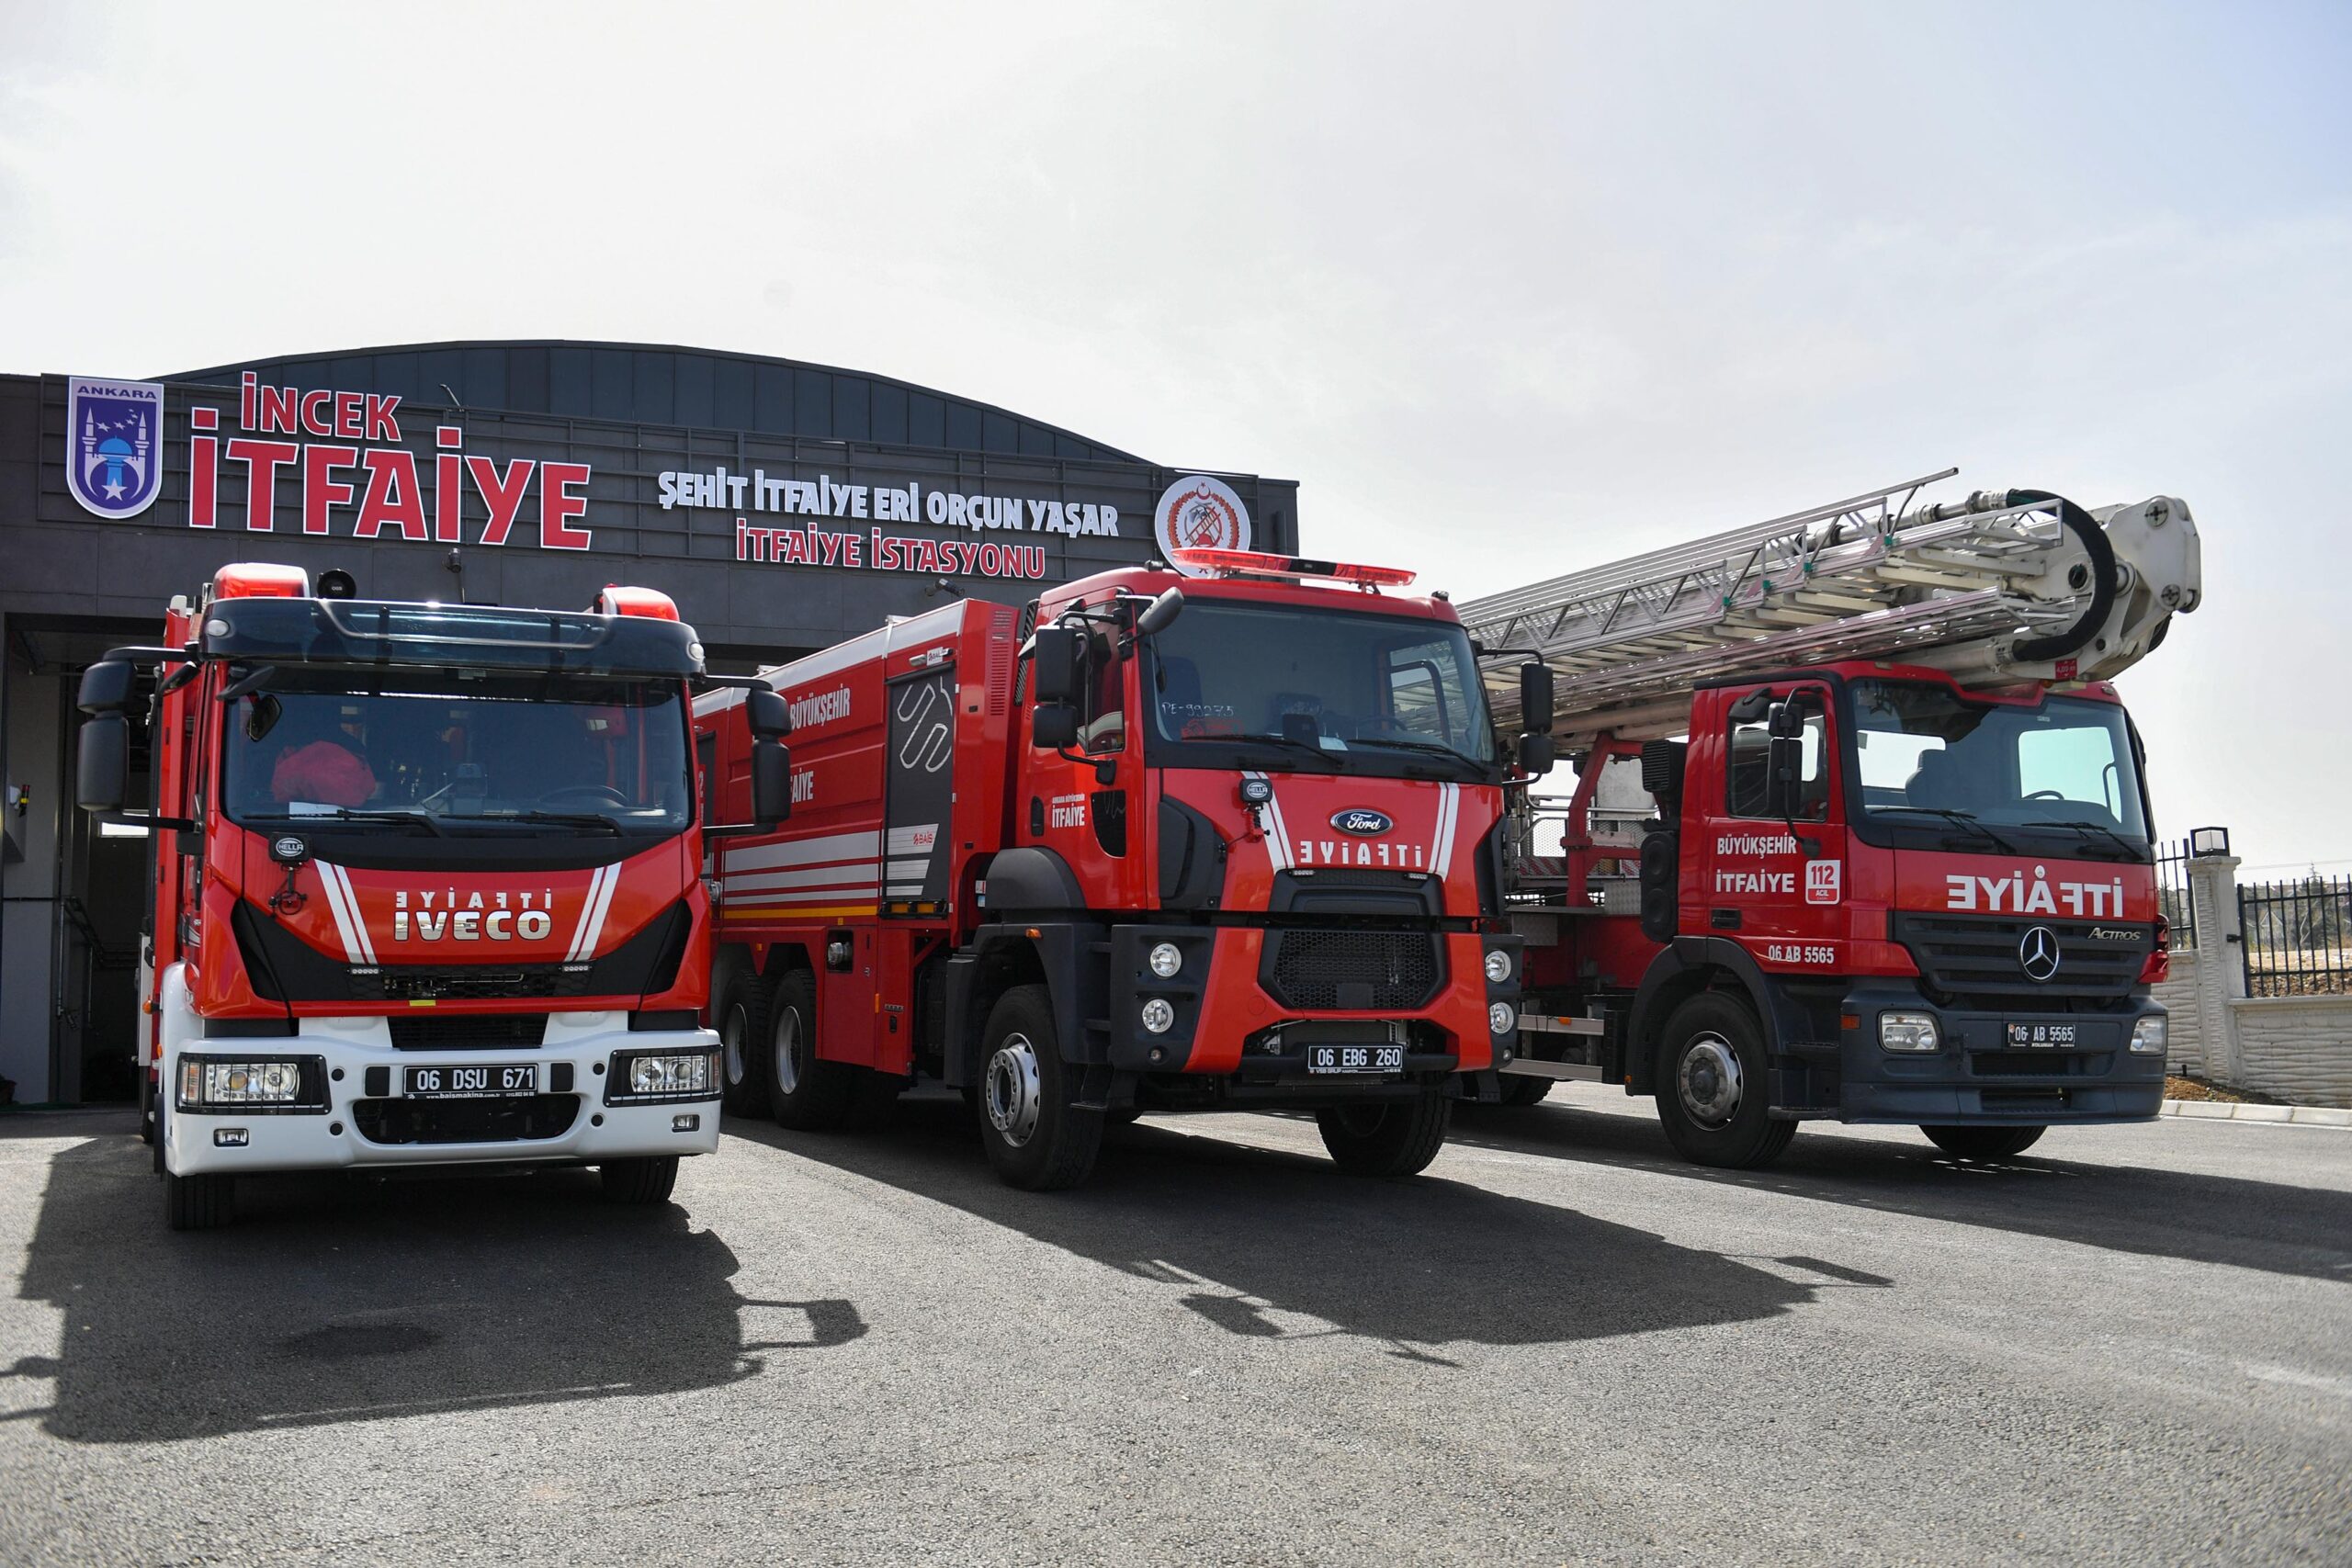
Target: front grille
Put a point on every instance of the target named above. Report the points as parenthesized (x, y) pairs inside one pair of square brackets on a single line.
[(2022, 1100), (412, 982), (522, 1118), (1320, 970), (2038, 1064), (1977, 956), (477, 1031)]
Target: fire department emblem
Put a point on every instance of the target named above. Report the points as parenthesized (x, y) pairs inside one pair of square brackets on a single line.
[(114, 445), (1198, 512)]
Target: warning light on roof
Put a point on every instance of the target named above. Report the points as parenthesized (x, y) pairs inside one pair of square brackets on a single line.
[(259, 580), (1240, 562), (650, 603)]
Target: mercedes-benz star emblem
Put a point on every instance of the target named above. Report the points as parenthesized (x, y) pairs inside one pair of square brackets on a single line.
[(2038, 953)]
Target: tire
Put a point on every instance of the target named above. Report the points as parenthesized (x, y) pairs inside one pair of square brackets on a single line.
[(1712, 1093), (743, 1039), (804, 1093), (1391, 1139), (199, 1203), (1030, 1122), (1983, 1143), (644, 1181), (1520, 1089)]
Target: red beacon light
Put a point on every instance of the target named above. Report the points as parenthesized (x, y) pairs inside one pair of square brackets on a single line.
[(650, 603), (1240, 563), (259, 580)]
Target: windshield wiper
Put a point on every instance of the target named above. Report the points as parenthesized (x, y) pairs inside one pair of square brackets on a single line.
[(1321, 753), (569, 818), (2131, 852), (1433, 748), (1969, 821), (424, 819)]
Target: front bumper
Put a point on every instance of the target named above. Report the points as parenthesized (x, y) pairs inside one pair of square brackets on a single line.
[(361, 1121), (1977, 1076)]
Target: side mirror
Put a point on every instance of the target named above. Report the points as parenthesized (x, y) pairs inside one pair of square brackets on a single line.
[(1160, 614), (1053, 727), (1783, 765), (1537, 753), (1535, 697), (767, 712), (771, 780), (1052, 665), (107, 686), (102, 765), (1785, 721)]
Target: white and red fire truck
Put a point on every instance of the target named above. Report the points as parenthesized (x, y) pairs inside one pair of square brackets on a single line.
[(1860, 829), (426, 884), (1157, 843)]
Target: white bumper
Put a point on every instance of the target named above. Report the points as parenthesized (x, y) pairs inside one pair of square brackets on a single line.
[(361, 1130)]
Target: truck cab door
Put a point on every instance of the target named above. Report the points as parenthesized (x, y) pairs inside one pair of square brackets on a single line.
[(1774, 883), (1080, 805)]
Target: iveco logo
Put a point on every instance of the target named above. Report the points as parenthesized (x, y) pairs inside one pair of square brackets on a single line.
[(2038, 953), (1363, 823)]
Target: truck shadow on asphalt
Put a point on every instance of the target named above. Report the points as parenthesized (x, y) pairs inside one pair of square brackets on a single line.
[(2245, 1224), (1270, 1245), (334, 1302)]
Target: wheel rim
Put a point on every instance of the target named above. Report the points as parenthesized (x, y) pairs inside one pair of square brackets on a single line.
[(787, 1049), (1012, 1095), (731, 1040), (1707, 1079)]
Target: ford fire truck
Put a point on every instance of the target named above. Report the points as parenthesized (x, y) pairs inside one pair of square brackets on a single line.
[(1859, 828), (426, 885), (1157, 842)]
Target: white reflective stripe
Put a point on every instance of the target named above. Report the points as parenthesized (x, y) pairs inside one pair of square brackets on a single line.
[(592, 914), (908, 841), (821, 895), (1277, 836), (803, 851), (358, 915), (905, 889), (340, 910), (1449, 808), (914, 868), (815, 876)]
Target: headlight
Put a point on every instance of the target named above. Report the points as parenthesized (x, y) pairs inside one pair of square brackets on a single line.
[(1907, 1031), (1157, 1016), (1497, 966), (661, 1074), (1501, 1018), (240, 1083), (1165, 960), (2148, 1035)]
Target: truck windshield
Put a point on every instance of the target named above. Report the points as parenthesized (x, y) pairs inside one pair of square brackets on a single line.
[(1338, 688), (460, 750), (2064, 766)]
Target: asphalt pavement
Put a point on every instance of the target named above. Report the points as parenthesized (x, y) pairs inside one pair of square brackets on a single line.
[(2132, 1345)]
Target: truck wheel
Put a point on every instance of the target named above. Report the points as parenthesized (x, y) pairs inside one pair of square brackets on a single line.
[(1520, 1089), (643, 1181), (1983, 1143), (1710, 1087), (804, 1093), (1036, 1135), (1398, 1139), (742, 1053), (199, 1203)]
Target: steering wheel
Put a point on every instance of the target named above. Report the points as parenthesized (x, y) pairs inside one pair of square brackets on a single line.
[(597, 794)]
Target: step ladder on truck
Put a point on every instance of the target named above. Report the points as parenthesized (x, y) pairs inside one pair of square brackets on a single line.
[(1859, 829)]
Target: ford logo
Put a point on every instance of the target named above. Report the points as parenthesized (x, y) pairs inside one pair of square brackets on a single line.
[(1358, 820)]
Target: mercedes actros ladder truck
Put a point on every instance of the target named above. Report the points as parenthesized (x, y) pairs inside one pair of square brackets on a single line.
[(1859, 828)]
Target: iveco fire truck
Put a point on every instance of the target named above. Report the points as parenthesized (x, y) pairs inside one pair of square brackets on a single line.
[(1859, 828), (426, 884), (1156, 842)]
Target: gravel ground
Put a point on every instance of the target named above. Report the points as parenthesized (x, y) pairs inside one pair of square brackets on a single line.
[(2132, 1345)]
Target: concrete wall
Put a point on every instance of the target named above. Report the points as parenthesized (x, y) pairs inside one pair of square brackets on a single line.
[(2298, 1049), (2185, 1037)]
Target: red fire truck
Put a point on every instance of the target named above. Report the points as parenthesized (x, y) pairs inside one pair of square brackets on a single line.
[(1157, 843), (1860, 830), (426, 883)]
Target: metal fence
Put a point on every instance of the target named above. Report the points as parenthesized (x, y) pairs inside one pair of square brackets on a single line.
[(2298, 936), (2172, 892)]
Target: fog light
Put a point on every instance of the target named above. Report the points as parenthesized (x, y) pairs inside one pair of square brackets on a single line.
[(240, 1083), (1907, 1031), (231, 1138), (2148, 1035), (690, 1122), (685, 1073), (1501, 1018), (1497, 966), (1256, 792), (1157, 1016), (1166, 960)]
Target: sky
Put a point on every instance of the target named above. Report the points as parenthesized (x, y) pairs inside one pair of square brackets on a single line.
[(1508, 289)]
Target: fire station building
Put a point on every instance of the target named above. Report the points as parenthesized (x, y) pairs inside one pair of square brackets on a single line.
[(785, 506)]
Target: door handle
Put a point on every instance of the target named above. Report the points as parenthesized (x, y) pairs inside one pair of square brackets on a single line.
[(1723, 920)]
